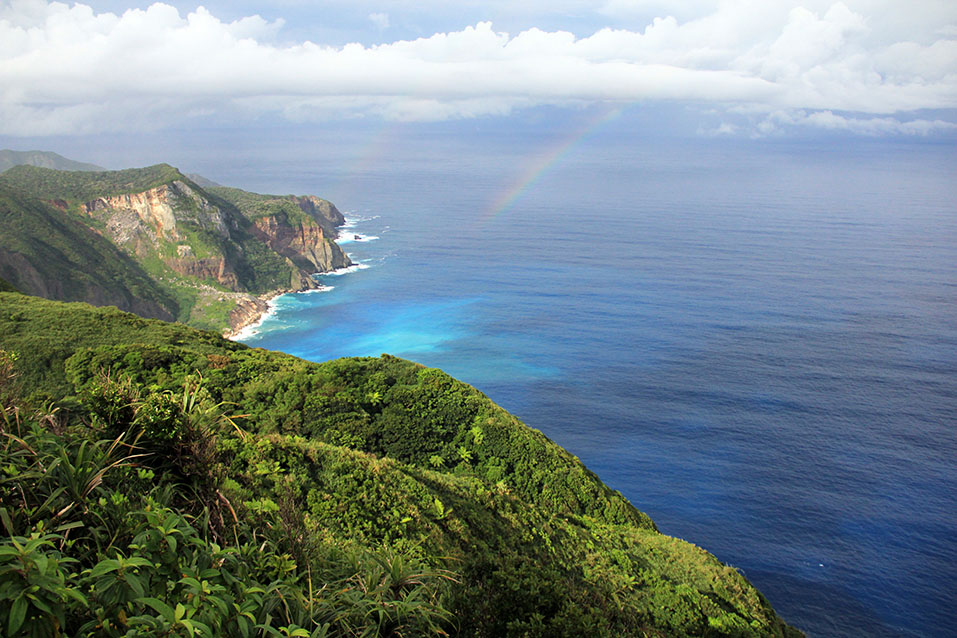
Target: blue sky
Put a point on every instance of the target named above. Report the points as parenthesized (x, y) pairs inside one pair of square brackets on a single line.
[(718, 68)]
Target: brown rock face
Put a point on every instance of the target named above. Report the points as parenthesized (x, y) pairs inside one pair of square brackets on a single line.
[(150, 211), (248, 310), (214, 268), (158, 211), (142, 222), (322, 211), (304, 245)]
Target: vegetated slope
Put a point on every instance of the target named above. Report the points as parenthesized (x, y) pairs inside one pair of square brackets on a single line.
[(44, 252), (302, 229), (6, 286), (77, 187), (196, 245), (46, 159), (480, 526)]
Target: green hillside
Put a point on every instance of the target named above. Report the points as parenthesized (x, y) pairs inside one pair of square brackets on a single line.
[(151, 241), (358, 497), (82, 186), (6, 286), (45, 252), (254, 206)]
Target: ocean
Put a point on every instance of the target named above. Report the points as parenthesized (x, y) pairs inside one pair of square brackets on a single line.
[(754, 341)]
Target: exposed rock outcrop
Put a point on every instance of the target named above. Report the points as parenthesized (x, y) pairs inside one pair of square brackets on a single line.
[(247, 311), (156, 212), (304, 245), (322, 211), (214, 268), (181, 244)]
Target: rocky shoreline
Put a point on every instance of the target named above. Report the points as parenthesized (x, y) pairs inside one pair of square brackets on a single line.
[(252, 310)]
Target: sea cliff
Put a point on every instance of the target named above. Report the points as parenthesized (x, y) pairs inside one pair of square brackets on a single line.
[(214, 255)]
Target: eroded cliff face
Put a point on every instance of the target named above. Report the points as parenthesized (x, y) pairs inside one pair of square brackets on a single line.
[(186, 251), (215, 268), (152, 223), (322, 211), (248, 310), (157, 211), (149, 213), (166, 220), (304, 245)]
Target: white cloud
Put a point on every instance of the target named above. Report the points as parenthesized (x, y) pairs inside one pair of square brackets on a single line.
[(784, 121), (68, 69), (871, 126)]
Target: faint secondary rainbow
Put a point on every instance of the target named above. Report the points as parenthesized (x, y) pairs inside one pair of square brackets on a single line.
[(545, 162)]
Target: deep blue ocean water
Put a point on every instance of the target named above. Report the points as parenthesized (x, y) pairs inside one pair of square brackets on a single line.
[(755, 342)]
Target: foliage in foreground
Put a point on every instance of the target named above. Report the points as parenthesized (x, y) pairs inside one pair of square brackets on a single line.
[(357, 497), (107, 542)]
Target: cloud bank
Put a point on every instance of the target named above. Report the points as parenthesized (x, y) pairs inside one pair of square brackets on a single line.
[(852, 66)]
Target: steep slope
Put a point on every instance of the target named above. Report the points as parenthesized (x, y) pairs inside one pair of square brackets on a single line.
[(378, 455), (44, 253), (214, 258), (301, 229), (6, 286)]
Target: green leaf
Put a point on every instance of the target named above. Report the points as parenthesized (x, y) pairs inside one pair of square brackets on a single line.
[(162, 608), (136, 561), (192, 583), (41, 605), (75, 595), (104, 567), (5, 518), (68, 526), (18, 612), (134, 583), (202, 628)]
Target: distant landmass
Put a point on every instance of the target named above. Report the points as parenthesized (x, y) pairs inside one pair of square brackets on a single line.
[(158, 243), (43, 159), (202, 181)]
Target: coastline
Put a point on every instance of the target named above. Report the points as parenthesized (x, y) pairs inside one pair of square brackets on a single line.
[(258, 310), (255, 310), (264, 306)]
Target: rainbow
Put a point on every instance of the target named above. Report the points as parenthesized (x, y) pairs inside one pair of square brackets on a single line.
[(544, 163)]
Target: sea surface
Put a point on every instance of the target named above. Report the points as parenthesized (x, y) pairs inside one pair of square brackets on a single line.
[(755, 341)]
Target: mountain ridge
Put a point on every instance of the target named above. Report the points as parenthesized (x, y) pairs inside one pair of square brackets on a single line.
[(214, 256)]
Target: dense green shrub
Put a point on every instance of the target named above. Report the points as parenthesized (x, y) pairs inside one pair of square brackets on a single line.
[(359, 497)]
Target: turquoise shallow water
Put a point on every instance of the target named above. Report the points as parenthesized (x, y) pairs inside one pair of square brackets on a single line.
[(755, 343)]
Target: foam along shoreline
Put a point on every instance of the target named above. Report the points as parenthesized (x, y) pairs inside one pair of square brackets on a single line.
[(347, 235), (250, 327), (349, 238), (338, 272)]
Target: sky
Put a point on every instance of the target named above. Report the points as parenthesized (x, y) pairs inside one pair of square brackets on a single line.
[(748, 68)]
